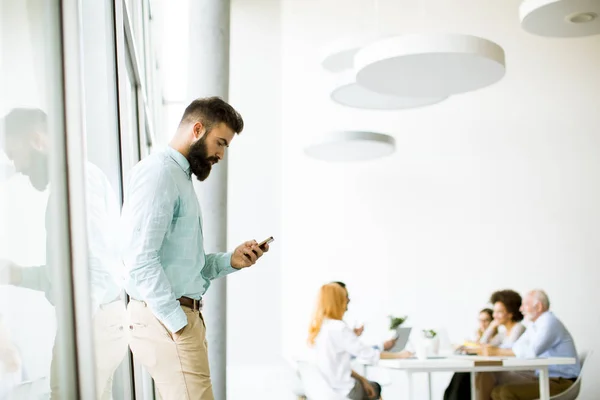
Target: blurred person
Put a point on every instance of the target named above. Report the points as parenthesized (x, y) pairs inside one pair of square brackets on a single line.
[(506, 327), (460, 384), (27, 144), (334, 344), (502, 331), (358, 330), (546, 336), (168, 272), (485, 319)]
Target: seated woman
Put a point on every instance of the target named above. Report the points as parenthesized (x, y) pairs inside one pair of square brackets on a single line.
[(460, 385), (506, 327), (485, 319), (502, 332), (507, 323), (335, 343)]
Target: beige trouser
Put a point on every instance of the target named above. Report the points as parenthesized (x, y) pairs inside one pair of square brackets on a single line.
[(522, 385), (179, 367), (485, 382), (110, 348), (528, 388)]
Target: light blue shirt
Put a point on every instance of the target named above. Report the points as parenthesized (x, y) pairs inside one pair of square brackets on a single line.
[(548, 337), (102, 217), (163, 241)]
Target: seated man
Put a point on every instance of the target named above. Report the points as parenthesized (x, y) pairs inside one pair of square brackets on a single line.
[(545, 337)]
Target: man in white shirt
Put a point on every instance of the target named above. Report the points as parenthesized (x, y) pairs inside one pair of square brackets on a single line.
[(546, 336), (27, 143)]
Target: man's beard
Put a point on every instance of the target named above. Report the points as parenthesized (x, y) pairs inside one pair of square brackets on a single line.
[(200, 162), (38, 171)]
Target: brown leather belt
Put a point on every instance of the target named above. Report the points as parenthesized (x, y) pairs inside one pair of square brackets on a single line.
[(195, 305)]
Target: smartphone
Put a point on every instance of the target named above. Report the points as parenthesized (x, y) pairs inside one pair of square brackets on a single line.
[(265, 242)]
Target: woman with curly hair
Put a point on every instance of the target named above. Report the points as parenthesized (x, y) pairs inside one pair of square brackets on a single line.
[(503, 332), (506, 327)]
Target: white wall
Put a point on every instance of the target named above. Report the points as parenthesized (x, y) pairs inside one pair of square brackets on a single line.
[(254, 361), (492, 189)]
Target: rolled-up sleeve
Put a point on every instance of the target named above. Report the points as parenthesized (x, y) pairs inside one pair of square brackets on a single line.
[(147, 216)]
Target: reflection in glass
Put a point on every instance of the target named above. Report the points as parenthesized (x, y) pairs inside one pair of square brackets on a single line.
[(26, 143), (29, 79), (102, 184), (29, 352)]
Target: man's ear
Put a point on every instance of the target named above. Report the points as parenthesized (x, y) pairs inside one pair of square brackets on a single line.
[(39, 141), (199, 130)]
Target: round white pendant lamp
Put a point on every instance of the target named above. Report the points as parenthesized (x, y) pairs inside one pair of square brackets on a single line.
[(349, 146), (561, 18), (338, 55), (429, 65), (350, 94)]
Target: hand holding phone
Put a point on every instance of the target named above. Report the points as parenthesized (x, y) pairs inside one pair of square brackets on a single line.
[(265, 242), (246, 254)]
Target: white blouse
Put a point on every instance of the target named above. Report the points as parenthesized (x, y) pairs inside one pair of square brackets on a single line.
[(501, 339), (334, 346)]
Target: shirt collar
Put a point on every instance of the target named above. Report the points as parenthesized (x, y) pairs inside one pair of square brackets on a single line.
[(180, 160)]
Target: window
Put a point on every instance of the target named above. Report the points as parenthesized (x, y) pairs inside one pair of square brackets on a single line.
[(36, 315), (62, 179), (103, 199)]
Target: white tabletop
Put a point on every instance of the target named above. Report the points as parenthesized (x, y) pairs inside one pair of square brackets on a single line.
[(473, 363)]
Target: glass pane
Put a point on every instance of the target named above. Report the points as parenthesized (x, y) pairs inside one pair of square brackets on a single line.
[(32, 225), (103, 199), (130, 135)]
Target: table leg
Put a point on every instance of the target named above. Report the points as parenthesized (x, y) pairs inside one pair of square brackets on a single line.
[(429, 384), (411, 392), (544, 384), (473, 387)]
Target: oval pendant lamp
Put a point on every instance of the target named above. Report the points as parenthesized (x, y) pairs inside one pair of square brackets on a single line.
[(338, 56), (351, 146), (429, 65), (560, 18), (350, 94)]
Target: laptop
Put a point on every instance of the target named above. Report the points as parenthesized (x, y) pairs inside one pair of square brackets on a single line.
[(402, 334)]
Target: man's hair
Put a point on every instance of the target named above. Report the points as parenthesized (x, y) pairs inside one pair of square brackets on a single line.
[(24, 121), (212, 111), (540, 296), (511, 300)]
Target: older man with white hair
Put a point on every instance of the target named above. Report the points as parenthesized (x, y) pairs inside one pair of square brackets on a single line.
[(546, 336)]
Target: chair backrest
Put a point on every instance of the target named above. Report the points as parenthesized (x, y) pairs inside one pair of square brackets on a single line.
[(573, 391), (293, 378), (314, 383)]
